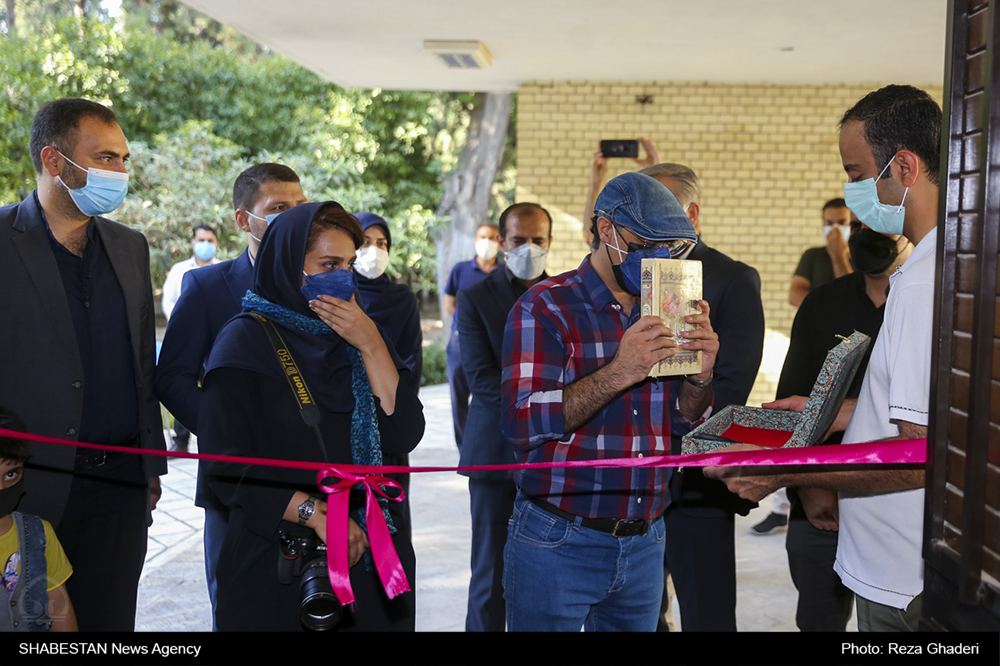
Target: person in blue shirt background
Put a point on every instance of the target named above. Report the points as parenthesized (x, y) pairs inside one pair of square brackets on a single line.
[(466, 273)]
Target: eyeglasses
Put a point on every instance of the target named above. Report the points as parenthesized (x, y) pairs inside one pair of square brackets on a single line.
[(677, 247)]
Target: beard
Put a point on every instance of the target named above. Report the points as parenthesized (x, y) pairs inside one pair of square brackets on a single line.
[(257, 228), (72, 179)]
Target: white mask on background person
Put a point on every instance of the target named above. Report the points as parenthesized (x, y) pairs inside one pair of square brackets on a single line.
[(372, 262), (526, 261), (487, 248), (844, 229)]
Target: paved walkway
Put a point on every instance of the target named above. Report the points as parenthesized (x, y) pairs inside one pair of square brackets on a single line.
[(173, 597)]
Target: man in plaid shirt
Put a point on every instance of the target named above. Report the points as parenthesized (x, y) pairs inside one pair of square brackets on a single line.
[(585, 545)]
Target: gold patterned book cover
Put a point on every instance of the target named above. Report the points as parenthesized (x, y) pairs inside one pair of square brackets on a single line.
[(671, 289)]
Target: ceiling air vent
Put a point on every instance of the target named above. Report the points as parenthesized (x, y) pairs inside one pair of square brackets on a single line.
[(460, 55)]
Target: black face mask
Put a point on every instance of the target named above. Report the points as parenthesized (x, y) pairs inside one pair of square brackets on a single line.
[(616, 269), (871, 252), (9, 497)]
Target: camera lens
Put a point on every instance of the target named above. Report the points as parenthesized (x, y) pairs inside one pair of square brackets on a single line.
[(320, 609)]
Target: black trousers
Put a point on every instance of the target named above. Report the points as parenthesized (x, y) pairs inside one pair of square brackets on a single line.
[(459, 385), (181, 433), (491, 504), (701, 556), (824, 603), (103, 531)]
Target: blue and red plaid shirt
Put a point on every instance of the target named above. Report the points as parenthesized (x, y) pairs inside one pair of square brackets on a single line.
[(560, 331)]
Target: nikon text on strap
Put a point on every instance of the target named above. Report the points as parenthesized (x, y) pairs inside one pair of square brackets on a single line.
[(307, 406)]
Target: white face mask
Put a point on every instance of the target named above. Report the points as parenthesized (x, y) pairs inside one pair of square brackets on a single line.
[(844, 229), (526, 261), (372, 261), (487, 248)]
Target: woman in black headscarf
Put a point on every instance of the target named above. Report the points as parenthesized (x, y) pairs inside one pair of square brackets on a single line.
[(393, 306), (365, 409)]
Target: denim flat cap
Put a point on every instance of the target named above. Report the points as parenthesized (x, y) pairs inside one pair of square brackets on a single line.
[(646, 207)]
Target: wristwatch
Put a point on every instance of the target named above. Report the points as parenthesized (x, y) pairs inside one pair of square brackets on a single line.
[(306, 510), (700, 383)]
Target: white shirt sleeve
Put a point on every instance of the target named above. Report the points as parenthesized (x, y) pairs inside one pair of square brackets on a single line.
[(910, 327), (172, 287)]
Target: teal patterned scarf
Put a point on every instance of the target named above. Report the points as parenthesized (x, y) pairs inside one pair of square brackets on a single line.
[(366, 443)]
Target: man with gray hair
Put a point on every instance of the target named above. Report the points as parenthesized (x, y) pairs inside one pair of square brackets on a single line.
[(700, 520)]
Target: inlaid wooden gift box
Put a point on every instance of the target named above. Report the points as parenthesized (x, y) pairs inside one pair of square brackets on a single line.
[(775, 428)]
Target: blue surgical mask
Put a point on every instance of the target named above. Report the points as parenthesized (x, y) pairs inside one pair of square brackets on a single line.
[(340, 284), (862, 199), (628, 273), (104, 192), (204, 250), (267, 219)]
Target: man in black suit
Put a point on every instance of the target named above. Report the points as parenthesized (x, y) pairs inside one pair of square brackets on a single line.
[(210, 296), (525, 234), (700, 521), (77, 348)]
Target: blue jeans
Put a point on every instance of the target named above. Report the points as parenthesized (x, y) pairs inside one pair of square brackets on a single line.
[(560, 576)]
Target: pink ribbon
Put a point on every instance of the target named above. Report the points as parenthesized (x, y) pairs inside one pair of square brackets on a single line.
[(387, 563), (911, 451), (886, 452)]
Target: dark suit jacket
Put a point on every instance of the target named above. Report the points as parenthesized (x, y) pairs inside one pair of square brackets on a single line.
[(42, 372), (210, 296), (732, 290), (482, 316)]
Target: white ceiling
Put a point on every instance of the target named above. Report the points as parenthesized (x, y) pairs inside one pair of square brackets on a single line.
[(379, 43)]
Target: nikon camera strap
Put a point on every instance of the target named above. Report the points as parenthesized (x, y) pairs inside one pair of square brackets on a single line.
[(307, 406)]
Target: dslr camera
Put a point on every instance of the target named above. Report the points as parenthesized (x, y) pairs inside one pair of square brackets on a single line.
[(304, 556)]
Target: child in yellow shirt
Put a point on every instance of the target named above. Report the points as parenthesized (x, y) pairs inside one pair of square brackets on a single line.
[(35, 568)]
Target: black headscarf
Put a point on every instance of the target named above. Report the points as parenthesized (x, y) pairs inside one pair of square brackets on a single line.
[(393, 306), (371, 219), (322, 359)]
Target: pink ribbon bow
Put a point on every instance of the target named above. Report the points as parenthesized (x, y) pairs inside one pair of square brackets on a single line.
[(387, 563)]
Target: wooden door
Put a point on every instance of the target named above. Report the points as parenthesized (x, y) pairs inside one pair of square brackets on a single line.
[(962, 523)]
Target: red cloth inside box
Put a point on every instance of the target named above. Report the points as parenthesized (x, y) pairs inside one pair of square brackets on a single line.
[(773, 439)]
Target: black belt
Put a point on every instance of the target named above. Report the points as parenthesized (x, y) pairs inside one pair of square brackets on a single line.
[(613, 526), (91, 458)]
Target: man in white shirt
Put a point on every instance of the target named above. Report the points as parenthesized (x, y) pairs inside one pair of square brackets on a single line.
[(204, 245), (889, 144)]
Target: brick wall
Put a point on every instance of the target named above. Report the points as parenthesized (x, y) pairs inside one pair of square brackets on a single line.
[(767, 157)]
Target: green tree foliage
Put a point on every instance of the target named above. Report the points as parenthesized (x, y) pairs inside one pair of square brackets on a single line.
[(435, 366), (199, 102), (185, 180), (37, 68), (173, 20), (259, 104), (417, 136)]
